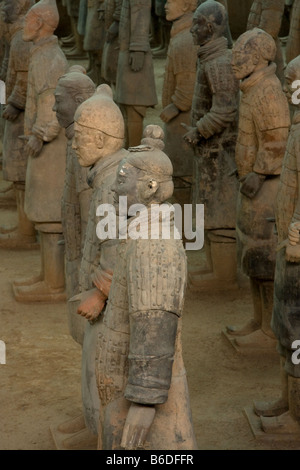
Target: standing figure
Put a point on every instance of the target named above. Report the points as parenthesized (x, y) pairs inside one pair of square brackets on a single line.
[(98, 143), (46, 150), (267, 15), (140, 373), (263, 130), (177, 94), (94, 38), (14, 156), (164, 27), (72, 89), (213, 137), (135, 87), (111, 46), (282, 416)]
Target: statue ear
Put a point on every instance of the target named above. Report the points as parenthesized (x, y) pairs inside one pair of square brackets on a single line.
[(99, 140)]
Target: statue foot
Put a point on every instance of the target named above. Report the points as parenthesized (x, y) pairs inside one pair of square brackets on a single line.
[(8, 198), (159, 53), (4, 229), (6, 186), (250, 327), (39, 292), (28, 281), (82, 440), (256, 340), (16, 240), (75, 53), (271, 408), (73, 425), (283, 424)]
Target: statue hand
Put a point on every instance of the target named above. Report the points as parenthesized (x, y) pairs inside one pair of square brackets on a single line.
[(136, 60), (112, 32), (11, 113), (169, 112), (92, 303), (292, 253), (293, 234), (138, 422), (251, 184), (192, 137), (34, 146)]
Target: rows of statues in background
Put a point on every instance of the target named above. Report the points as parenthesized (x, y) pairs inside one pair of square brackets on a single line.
[(240, 161)]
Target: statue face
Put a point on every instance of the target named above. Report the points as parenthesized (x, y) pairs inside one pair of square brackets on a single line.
[(32, 26), (174, 9), (128, 184), (10, 11), (243, 61), (65, 106), (87, 145), (200, 30)]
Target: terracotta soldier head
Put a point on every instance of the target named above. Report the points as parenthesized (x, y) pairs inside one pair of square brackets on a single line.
[(72, 89), (177, 8), (145, 175), (209, 22), (253, 50), (13, 9), (41, 20), (291, 74), (99, 127)]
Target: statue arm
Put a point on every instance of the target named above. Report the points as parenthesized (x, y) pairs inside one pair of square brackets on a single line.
[(46, 126), (139, 25)]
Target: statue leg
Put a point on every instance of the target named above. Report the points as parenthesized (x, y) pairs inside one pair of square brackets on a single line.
[(51, 288), (77, 52), (221, 269), (263, 337), (288, 422), (279, 406), (255, 322), (134, 118), (24, 236)]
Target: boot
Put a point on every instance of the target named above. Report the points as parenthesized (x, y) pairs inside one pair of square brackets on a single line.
[(255, 323), (52, 287), (288, 422), (279, 406), (222, 258), (161, 51), (262, 338), (24, 236)]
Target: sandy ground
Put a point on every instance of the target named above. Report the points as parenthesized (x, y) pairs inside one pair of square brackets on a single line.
[(40, 383)]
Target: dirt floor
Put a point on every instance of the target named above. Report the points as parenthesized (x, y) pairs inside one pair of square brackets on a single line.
[(40, 383)]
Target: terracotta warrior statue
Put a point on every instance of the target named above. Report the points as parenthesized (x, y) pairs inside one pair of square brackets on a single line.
[(46, 150), (14, 157), (263, 129), (292, 49), (282, 416), (135, 87), (140, 373), (98, 143), (94, 38), (72, 89), (76, 52), (177, 94), (267, 15), (213, 137), (111, 46)]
